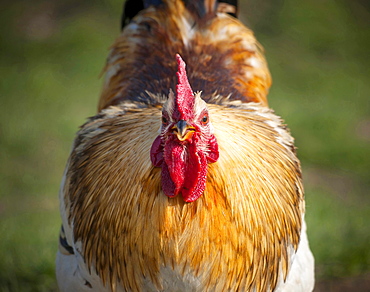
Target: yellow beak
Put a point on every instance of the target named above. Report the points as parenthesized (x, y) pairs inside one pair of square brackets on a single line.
[(183, 130)]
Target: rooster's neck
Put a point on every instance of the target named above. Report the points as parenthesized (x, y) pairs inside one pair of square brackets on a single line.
[(131, 220)]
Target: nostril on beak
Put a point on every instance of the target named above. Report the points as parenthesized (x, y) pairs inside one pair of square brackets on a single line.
[(182, 126)]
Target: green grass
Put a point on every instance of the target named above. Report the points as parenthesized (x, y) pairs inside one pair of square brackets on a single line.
[(52, 54), (337, 219)]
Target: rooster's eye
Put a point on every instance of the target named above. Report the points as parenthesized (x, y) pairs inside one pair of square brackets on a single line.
[(205, 120), (164, 120)]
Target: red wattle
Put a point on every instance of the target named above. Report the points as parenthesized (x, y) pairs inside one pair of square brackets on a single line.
[(168, 187), (186, 167), (195, 181), (156, 152), (212, 153), (175, 159)]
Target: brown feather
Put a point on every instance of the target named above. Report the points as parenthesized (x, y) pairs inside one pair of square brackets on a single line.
[(216, 49), (249, 213)]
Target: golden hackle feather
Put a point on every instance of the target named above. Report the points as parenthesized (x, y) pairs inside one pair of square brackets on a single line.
[(230, 238), (142, 58)]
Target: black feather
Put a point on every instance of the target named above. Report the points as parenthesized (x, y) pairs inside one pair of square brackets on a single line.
[(132, 7), (148, 3), (63, 241)]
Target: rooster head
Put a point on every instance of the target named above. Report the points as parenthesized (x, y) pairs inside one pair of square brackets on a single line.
[(186, 143)]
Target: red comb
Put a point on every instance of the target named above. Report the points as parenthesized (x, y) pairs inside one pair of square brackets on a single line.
[(184, 93)]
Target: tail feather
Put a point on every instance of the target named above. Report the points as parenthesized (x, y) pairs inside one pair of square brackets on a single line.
[(132, 7), (200, 8), (204, 7), (228, 6)]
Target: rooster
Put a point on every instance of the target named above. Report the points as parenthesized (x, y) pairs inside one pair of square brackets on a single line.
[(185, 180)]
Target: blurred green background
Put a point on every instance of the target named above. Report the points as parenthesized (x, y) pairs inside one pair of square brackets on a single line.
[(52, 53)]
